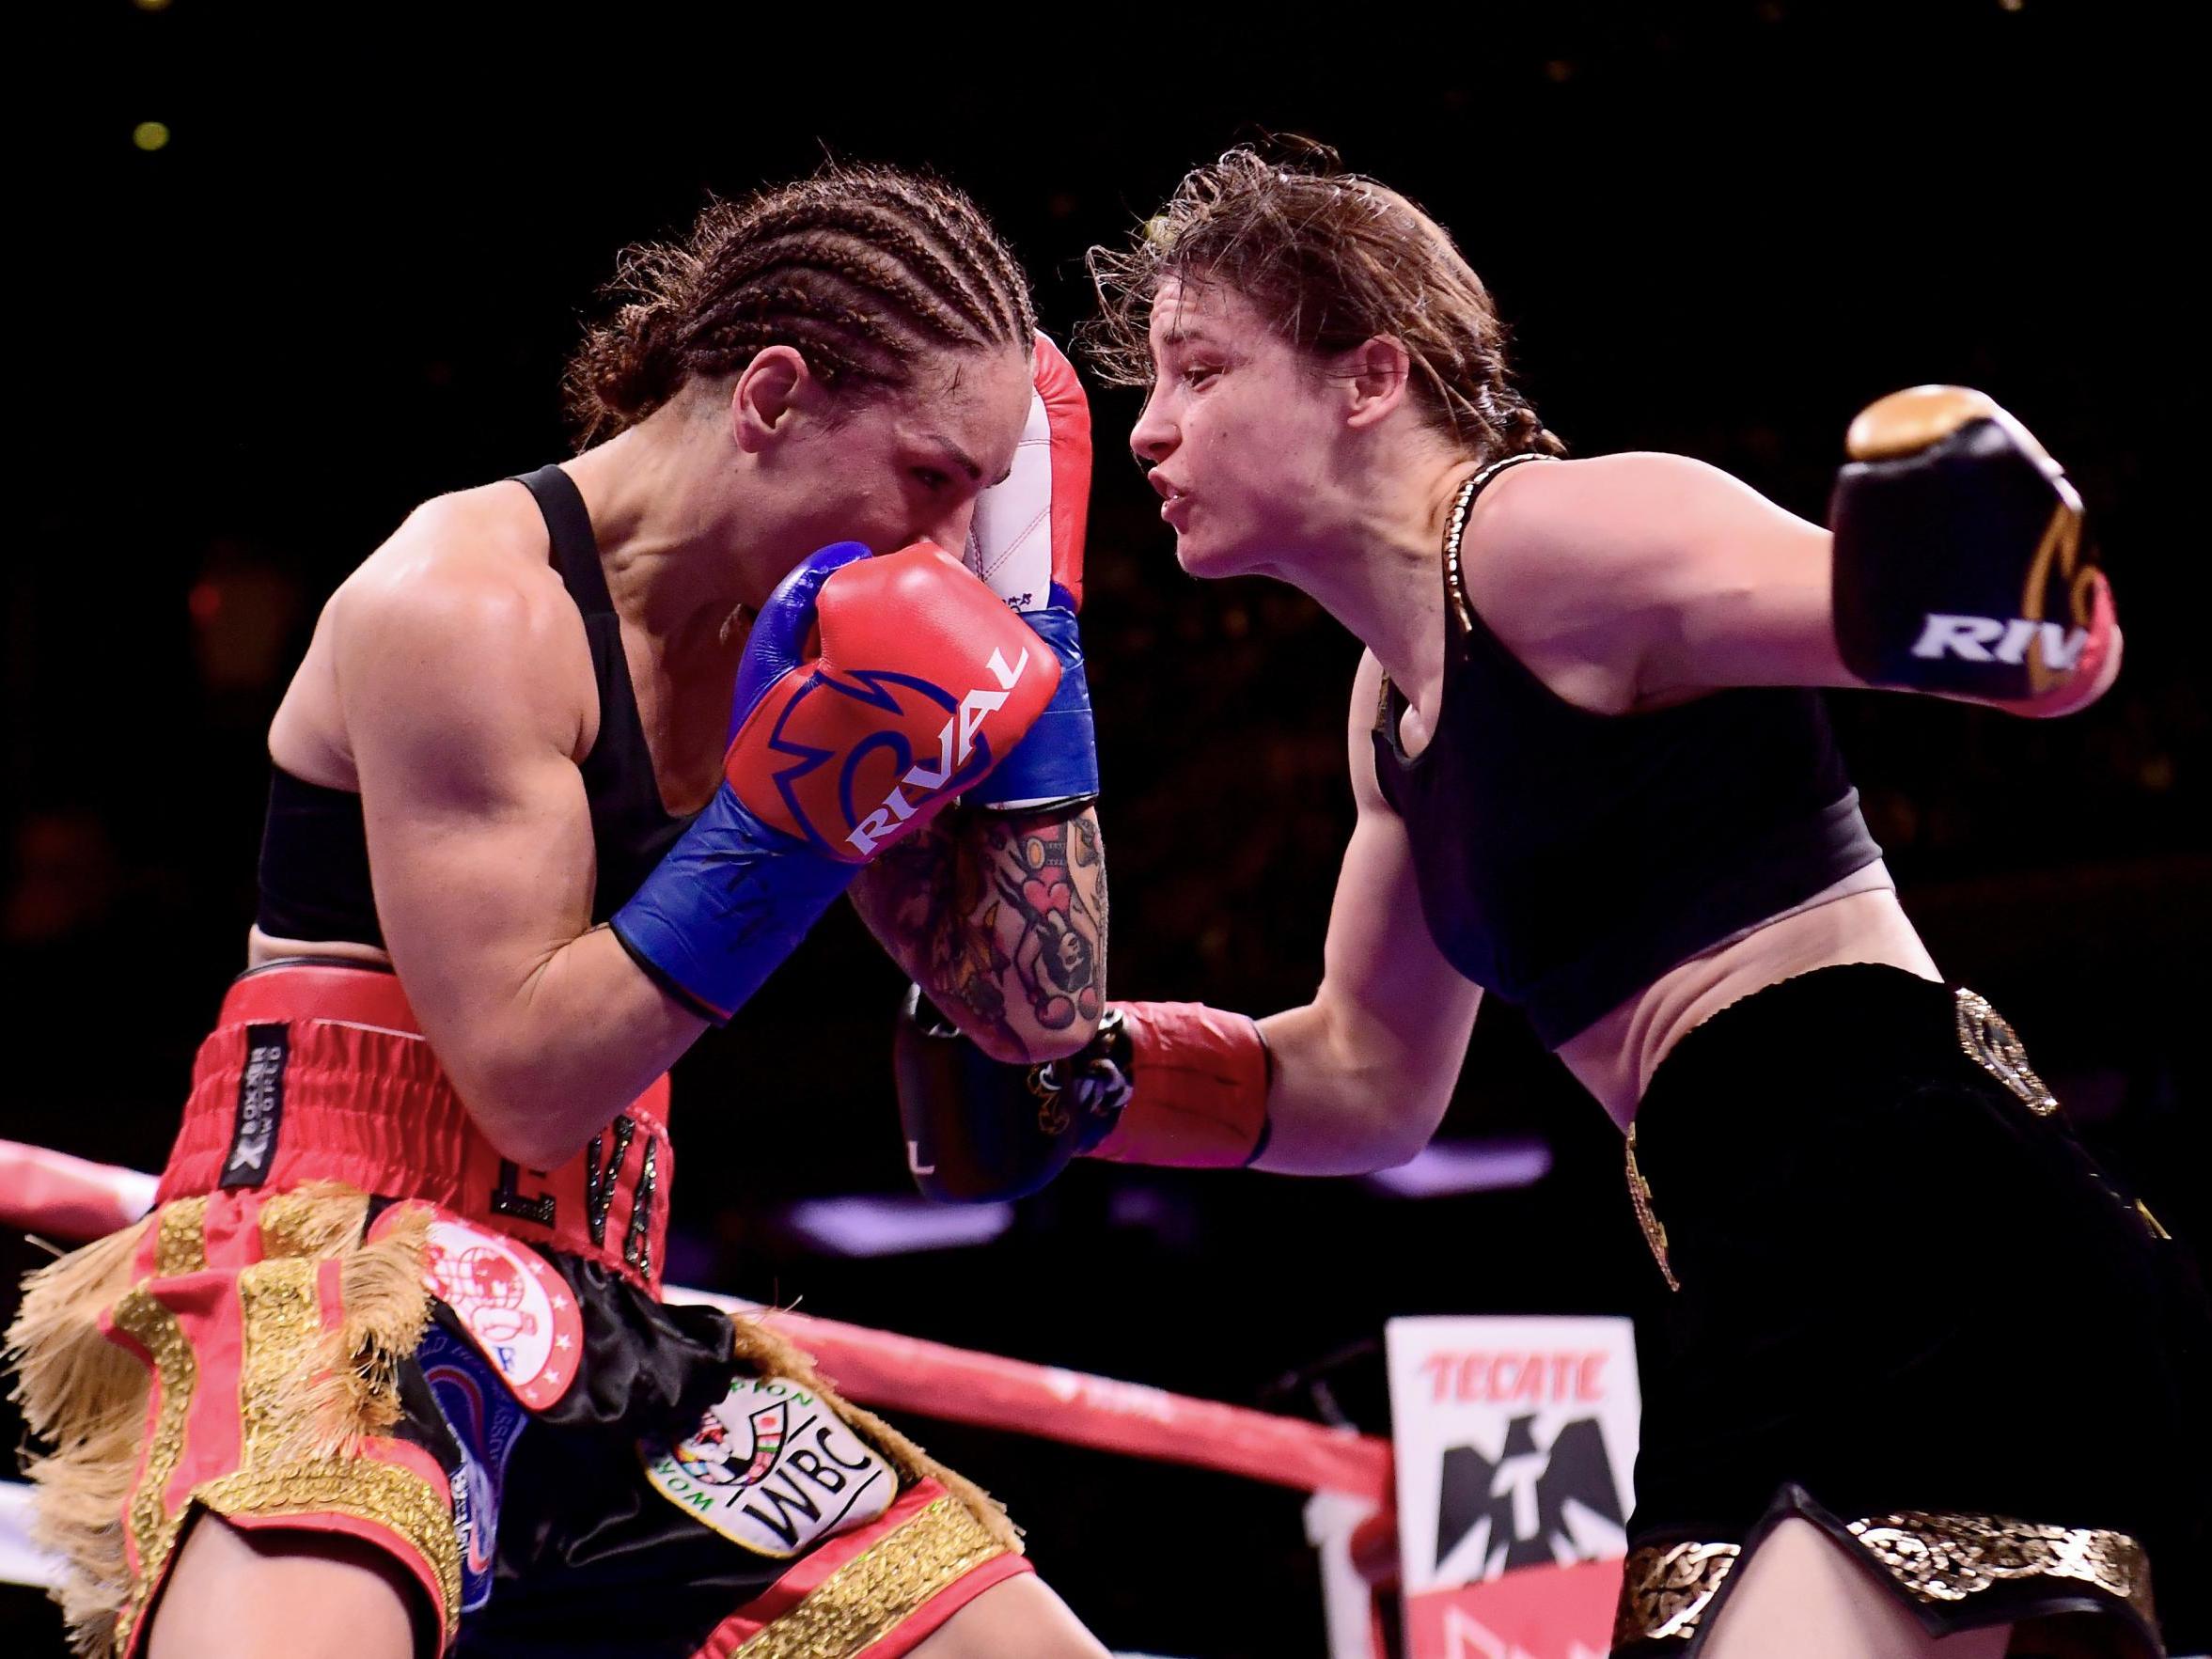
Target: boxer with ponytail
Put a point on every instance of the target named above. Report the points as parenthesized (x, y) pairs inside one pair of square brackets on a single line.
[(1594, 778)]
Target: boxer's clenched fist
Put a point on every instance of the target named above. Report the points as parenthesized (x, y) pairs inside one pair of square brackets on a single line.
[(1960, 562)]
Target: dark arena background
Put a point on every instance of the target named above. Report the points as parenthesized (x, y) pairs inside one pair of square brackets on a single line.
[(281, 275)]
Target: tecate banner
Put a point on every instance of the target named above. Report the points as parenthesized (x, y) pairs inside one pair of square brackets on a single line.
[(1516, 1440)]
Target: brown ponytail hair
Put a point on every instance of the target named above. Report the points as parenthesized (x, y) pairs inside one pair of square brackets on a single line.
[(861, 269), (1330, 259)]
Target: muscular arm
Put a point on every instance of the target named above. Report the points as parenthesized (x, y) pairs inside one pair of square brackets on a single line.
[(1001, 919), (1635, 581), (1363, 1073), (463, 686)]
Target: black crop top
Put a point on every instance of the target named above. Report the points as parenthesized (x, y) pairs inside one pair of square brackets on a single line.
[(314, 872), (1567, 858)]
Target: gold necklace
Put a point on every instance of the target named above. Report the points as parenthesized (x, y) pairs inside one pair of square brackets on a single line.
[(1454, 527)]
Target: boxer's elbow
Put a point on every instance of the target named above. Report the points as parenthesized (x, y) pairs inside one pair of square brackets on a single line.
[(538, 1121), (1397, 1127), (1346, 1099), (529, 1141)]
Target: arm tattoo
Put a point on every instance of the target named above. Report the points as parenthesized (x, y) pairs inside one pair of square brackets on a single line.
[(1055, 961), (993, 911)]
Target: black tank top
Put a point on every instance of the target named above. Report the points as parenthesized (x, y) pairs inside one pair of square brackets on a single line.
[(314, 871), (1565, 859)]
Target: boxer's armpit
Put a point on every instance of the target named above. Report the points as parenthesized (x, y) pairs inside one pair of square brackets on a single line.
[(1001, 917)]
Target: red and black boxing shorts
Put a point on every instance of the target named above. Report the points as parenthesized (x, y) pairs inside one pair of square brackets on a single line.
[(346, 1314)]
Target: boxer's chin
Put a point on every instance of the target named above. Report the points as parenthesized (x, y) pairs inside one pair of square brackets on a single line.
[(1208, 557)]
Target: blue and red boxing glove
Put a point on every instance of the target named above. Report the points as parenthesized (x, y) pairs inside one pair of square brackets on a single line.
[(872, 692), (1025, 542)]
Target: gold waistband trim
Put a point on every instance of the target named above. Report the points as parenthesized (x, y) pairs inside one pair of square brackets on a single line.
[(1666, 1590), (1942, 1557)]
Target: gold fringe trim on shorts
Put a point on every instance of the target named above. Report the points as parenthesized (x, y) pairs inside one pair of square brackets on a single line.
[(307, 1395), (773, 1355), (84, 1396), (354, 1388)]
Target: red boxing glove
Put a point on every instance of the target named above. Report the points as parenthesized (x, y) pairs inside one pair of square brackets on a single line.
[(1026, 537), (923, 682)]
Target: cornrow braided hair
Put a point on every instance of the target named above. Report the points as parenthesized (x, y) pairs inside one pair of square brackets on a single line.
[(1329, 258), (861, 269)]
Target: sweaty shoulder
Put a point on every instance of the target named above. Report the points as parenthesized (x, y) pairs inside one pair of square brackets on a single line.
[(1572, 563), (460, 606)]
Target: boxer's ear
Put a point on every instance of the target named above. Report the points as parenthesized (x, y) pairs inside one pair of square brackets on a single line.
[(774, 387), (1374, 376)]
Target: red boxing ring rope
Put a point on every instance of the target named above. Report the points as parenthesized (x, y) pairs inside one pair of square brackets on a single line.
[(47, 1192), (1348, 1519)]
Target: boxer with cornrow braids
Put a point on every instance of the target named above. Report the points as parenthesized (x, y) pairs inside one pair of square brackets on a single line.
[(573, 762), (863, 269)]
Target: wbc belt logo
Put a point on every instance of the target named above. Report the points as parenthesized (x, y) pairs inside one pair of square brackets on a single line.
[(773, 1467)]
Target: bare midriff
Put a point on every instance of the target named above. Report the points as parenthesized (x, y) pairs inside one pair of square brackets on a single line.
[(1856, 920), (262, 949)]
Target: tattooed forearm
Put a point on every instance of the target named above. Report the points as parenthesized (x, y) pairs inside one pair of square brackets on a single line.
[(932, 903), (1059, 957), (1001, 919)]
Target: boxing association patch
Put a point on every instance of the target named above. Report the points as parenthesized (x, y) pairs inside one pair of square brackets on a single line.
[(772, 1468), (511, 1302), (485, 1420)]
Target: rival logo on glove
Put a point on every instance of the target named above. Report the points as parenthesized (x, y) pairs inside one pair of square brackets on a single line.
[(956, 746), (817, 793), (1991, 639)]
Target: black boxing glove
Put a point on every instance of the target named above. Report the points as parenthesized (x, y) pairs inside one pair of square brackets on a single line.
[(1176, 1085), (1960, 566), (979, 1129)]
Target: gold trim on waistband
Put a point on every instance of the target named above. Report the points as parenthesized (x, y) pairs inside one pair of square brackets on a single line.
[(877, 1589), (1948, 1557), (1666, 1590)]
